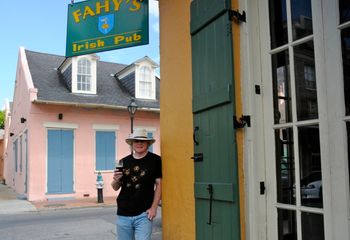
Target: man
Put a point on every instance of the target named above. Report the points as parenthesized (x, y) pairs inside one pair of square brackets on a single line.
[(141, 188)]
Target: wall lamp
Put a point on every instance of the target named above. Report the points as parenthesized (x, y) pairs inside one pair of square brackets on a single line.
[(60, 116), (132, 109), (23, 120)]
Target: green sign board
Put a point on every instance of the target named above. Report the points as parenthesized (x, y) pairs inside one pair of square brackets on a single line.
[(102, 25)]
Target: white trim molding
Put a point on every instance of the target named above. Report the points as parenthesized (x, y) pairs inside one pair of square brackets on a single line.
[(105, 127), (61, 125)]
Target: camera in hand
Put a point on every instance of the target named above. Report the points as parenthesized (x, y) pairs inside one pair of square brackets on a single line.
[(120, 169)]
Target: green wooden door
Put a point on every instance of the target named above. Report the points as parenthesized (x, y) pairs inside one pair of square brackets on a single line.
[(216, 181)]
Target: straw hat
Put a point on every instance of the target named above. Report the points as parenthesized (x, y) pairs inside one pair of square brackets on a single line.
[(140, 135)]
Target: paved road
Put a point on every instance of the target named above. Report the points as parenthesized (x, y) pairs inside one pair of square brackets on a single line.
[(20, 219), (73, 224)]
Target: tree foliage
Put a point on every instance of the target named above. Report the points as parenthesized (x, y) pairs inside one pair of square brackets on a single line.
[(2, 119)]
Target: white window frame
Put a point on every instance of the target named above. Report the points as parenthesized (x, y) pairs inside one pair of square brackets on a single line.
[(106, 127), (139, 79), (93, 71), (84, 75), (339, 199)]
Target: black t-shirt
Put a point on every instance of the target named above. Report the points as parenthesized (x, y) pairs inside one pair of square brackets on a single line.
[(137, 190)]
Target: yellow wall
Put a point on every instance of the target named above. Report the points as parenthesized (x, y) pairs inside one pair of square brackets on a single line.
[(239, 112), (176, 120)]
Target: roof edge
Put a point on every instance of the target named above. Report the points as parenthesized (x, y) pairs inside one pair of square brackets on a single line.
[(91, 105)]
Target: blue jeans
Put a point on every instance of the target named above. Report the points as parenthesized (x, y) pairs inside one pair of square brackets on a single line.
[(134, 228)]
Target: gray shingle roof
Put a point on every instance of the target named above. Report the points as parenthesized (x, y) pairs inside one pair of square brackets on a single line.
[(110, 92), (128, 82)]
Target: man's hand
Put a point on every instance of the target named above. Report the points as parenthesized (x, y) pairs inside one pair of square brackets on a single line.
[(151, 213), (117, 175), (116, 183)]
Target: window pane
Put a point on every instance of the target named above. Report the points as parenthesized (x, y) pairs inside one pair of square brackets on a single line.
[(145, 74), (88, 67), (312, 226), (281, 88), (301, 18), (278, 23), (84, 83), (145, 89), (344, 11), (287, 225), (145, 83), (345, 42), (305, 81), (310, 167), (285, 172), (79, 82), (87, 83), (84, 75)]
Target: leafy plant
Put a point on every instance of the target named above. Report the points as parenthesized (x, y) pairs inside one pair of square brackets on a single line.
[(2, 119)]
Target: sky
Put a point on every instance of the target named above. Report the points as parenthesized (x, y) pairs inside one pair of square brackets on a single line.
[(41, 26)]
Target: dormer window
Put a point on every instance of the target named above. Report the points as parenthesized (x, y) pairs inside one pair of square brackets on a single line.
[(145, 83), (84, 75), (139, 78)]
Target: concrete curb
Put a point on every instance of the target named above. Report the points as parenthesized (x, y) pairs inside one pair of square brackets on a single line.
[(59, 207)]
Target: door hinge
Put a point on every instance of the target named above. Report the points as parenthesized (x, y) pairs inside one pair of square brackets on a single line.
[(257, 89), (198, 157), (237, 16), (243, 121), (262, 188)]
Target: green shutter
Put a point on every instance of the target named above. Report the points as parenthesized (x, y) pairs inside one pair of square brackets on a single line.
[(217, 214)]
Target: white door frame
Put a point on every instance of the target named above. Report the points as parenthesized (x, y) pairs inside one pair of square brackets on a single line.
[(252, 70), (261, 217), (338, 202)]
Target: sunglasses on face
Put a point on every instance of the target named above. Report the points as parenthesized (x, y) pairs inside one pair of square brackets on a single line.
[(139, 141)]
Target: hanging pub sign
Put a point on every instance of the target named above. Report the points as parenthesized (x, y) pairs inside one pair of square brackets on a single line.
[(102, 25)]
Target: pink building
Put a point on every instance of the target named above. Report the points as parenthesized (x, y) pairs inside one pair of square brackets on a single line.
[(69, 119)]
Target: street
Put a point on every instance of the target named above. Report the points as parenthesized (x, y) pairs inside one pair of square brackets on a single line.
[(72, 224)]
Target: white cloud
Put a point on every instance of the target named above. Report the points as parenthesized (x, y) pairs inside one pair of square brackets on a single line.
[(153, 8)]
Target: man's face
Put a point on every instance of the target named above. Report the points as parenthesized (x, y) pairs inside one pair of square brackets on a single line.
[(140, 146)]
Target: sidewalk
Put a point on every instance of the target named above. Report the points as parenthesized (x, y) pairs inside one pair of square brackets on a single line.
[(11, 202)]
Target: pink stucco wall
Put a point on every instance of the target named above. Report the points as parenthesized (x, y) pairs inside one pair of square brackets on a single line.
[(40, 117), (84, 145), (20, 108)]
